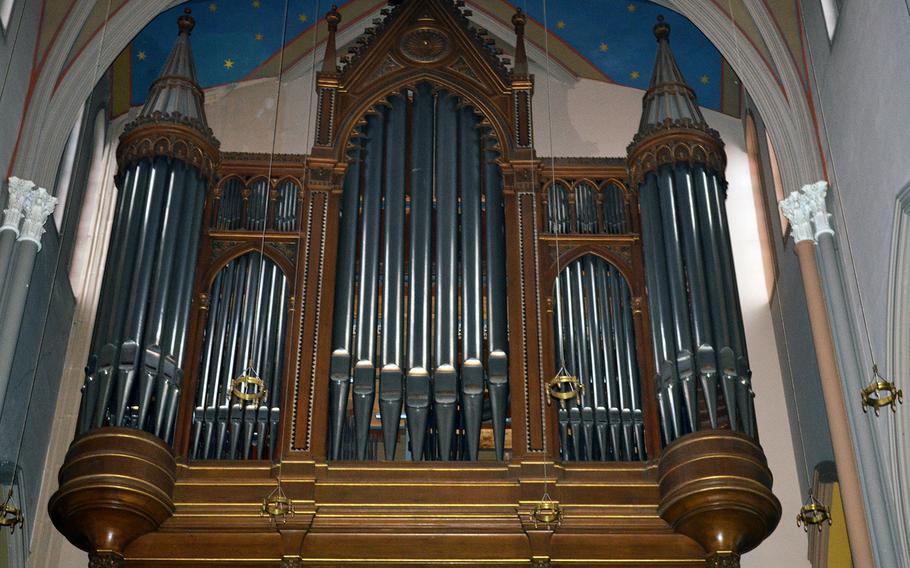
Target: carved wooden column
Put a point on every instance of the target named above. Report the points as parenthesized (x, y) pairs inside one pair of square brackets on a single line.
[(307, 428)]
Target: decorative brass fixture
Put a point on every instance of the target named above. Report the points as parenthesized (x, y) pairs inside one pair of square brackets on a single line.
[(563, 378), (880, 393), (250, 378), (10, 515), (547, 513), (813, 513), (277, 505)]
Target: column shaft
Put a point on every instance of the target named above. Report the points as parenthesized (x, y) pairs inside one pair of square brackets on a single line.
[(13, 307), (848, 475)]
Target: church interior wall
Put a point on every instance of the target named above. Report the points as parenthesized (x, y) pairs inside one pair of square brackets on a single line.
[(862, 85), (17, 44), (591, 118)]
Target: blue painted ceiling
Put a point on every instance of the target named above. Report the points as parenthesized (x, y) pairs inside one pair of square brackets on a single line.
[(234, 37)]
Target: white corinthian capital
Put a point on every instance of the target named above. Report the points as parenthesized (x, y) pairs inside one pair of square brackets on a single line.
[(815, 197), (795, 207), (39, 205), (19, 190)]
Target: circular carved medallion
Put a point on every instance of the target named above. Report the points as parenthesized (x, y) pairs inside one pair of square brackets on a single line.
[(425, 45)]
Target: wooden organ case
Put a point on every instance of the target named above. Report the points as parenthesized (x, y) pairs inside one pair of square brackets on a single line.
[(440, 348)]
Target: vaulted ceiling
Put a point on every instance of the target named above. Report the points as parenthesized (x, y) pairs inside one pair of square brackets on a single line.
[(606, 40)]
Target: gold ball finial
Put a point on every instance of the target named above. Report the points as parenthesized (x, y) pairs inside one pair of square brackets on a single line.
[(333, 17), (661, 28), (519, 19), (186, 23)]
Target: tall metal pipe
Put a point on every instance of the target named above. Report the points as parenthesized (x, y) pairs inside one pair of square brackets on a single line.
[(364, 367), (342, 325), (702, 336), (391, 375), (497, 339), (445, 374), (472, 371), (417, 407), (685, 360)]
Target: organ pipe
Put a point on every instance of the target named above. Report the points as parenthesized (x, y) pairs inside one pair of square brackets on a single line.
[(699, 351), (246, 328), (420, 270), (134, 374), (391, 375), (435, 301), (367, 317)]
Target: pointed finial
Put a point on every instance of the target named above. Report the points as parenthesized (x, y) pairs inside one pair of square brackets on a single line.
[(521, 58), (186, 23), (661, 29), (332, 18)]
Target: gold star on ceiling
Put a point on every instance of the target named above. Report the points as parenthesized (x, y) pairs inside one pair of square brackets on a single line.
[(705, 79), (228, 63), (303, 18), (259, 36), (213, 7), (141, 56), (604, 46), (561, 25), (632, 7), (635, 74), (256, 3)]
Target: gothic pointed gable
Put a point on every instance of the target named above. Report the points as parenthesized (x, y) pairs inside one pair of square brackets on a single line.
[(428, 35)]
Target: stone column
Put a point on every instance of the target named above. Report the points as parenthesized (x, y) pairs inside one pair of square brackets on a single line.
[(38, 205), (19, 190), (853, 379), (796, 207)]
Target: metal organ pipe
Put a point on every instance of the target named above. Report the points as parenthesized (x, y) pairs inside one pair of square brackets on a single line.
[(365, 366), (595, 339), (685, 361), (703, 340), (442, 331), (340, 371), (420, 270), (472, 371), (246, 325), (391, 375), (687, 249), (445, 373), (497, 336), (140, 336)]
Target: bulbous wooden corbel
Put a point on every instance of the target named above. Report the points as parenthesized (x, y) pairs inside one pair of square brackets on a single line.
[(715, 488), (116, 485)]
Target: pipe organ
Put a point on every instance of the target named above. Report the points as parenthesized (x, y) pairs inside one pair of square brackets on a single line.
[(399, 347), (430, 241)]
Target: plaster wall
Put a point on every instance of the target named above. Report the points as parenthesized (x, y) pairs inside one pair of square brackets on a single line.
[(862, 84), (17, 46), (35, 375)]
